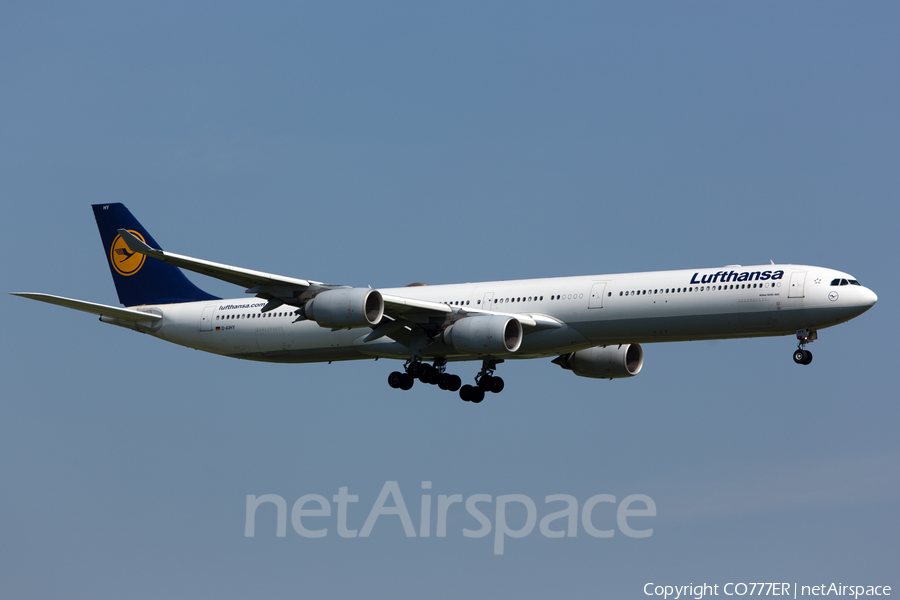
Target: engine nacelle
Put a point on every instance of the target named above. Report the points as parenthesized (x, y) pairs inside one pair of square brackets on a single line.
[(346, 308), (485, 335), (604, 362)]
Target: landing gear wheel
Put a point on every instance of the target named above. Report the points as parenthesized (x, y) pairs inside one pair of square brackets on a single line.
[(496, 385), (486, 382), (449, 382), (802, 357), (395, 379), (466, 393), (406, 381), (478, 395), (429, 375), (415, 369)]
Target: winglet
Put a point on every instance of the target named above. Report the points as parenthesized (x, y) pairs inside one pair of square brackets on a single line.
[(136, 245)]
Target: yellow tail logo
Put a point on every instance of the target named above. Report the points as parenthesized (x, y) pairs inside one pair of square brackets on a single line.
[(123, 260)]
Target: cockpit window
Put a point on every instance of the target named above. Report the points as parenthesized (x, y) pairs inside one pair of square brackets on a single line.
[(855, 282), (844, 282), (835, 282)]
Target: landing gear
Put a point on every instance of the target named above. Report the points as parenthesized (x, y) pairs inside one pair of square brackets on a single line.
[(802, 356), (435, 374), (449, 382), (398, 380), (485, 381), (471, 394), (428, 374)]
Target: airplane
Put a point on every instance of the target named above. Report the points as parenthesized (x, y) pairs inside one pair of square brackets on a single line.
[(593, 325)]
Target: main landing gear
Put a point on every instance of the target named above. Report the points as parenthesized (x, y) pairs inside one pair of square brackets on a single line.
[(430, 374), (435, 374), (485, 381), (802, 356)]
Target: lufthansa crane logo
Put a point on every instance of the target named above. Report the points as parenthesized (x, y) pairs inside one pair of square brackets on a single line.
[(123, 260)]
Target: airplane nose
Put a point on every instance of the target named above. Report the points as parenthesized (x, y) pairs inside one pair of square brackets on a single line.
[(868, 297)]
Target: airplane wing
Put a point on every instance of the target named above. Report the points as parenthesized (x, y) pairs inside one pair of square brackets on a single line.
[(278, 289), (244, 277), (123, 314), (399, 305), (270, 286)]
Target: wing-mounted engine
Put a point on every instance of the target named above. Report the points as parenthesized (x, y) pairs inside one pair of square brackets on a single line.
[(604, 362), (345, 308), (491, 335)]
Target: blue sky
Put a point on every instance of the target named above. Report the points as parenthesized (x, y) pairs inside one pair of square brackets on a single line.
[(384, 144)]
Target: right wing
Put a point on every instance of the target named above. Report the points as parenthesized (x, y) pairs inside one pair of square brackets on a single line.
[(243, 277)]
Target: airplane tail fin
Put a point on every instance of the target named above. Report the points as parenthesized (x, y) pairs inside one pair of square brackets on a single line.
[(139, 279)]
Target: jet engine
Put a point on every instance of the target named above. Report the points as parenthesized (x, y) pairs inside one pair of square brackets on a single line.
[(485, 335), (345, 308), (604, 362)]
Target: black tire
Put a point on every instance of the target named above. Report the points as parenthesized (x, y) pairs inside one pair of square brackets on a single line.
[(415, 369), (486, 382), (497, 385), (455, 383), (406, 381), (429, 375), (808, 358), (444, 381), (478, 395), (799, 356), (466, 392), (394, 379)]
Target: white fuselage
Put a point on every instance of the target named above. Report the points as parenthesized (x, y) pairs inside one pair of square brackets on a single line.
[(663, 306)]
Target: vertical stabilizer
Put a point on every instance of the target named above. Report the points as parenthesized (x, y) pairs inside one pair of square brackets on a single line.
[(139, 279)]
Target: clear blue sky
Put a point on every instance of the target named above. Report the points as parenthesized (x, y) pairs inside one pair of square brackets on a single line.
[(385, 143)]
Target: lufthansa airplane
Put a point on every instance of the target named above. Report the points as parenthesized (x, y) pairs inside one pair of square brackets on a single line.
[(592, 326)]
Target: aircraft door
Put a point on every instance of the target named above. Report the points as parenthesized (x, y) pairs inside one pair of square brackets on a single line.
[(596, 298), (488, 302), (798, 279), (206, 318)]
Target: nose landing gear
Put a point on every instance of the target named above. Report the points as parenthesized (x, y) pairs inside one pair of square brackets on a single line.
[(802, 356)]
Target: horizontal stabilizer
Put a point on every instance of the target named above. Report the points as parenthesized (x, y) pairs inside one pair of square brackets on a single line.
[(123, 314)]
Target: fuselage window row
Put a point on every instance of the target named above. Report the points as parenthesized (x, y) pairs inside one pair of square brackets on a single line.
[(251, 315), (701, 288)]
